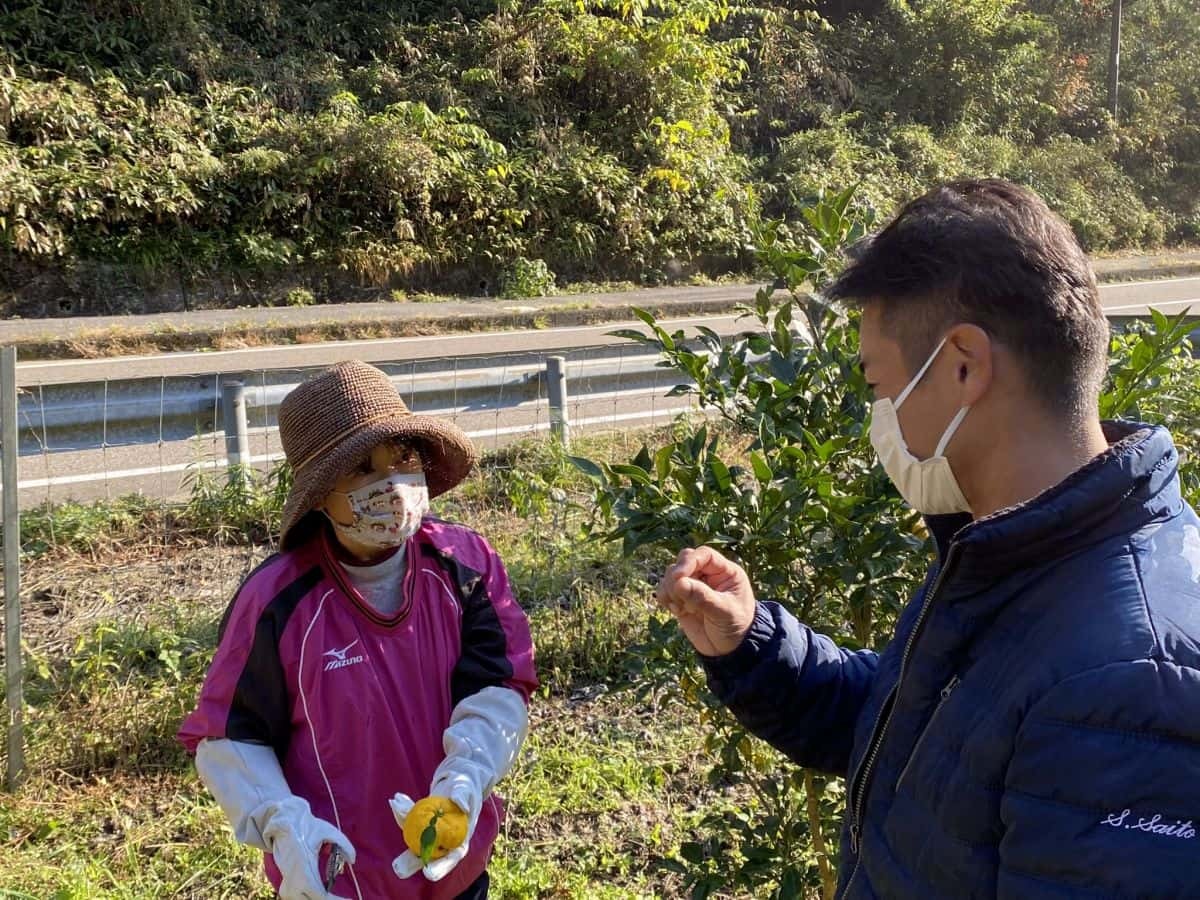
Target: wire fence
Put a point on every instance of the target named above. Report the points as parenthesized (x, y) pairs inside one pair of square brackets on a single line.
[(111, 473), (103, 439)]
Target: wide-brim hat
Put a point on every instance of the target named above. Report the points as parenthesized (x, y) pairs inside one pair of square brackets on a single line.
[(332, 421)]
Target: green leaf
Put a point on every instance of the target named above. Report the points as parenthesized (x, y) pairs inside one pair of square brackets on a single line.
[(720, 473), (1143, 354), (711, 338), (781, 368), (762, 471), (429, 838), (643, 460), (646, 317), (633, 473), (842, 201), (1160, 321), (662, 462), (588, 468)]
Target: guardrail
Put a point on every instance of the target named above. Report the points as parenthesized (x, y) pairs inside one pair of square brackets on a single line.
[(91, 432), (491, 397), (91, 416)]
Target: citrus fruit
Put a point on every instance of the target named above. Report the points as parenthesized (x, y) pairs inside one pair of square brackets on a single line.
[(444, 816)]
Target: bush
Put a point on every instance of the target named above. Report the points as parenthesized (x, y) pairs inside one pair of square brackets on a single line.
[(527, 278), (1082, 183), (187, 164), (300, 297), (794, 405), (242, 505), (1079, 180)]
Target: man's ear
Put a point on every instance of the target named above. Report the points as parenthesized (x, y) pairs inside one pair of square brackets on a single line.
[(973, 353)]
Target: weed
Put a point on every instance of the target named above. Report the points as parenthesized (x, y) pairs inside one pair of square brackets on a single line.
[(85, 527), (300, 297), (527, 278)]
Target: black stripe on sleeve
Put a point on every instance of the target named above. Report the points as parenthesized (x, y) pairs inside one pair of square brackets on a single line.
[(260, 711), (483, 658)]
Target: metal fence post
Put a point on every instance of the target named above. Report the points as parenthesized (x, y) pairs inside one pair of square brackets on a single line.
[(233, 414), (556, 383), (13, 663)]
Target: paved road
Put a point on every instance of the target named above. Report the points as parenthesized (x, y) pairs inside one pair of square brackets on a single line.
[(1126, 268), (1120, 300), (301, 356), (1135, 298), (265, 317)]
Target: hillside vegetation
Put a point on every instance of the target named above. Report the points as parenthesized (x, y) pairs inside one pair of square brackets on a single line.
[(170, 153)]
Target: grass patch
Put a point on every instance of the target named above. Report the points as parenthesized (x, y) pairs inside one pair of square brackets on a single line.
[(604, 793), (86, 527), (123, 837)]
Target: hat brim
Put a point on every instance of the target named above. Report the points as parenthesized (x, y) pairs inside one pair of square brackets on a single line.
[(446, 453)]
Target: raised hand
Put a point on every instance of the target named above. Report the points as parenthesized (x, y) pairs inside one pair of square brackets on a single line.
[(711, 597)]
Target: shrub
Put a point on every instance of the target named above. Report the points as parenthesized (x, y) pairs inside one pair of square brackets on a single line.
[(527, 278)]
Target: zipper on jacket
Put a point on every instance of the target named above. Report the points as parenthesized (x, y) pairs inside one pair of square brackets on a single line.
[(945, 695), (860, 778)]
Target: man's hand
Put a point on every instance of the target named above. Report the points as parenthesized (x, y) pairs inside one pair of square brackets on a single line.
[(712, 599)]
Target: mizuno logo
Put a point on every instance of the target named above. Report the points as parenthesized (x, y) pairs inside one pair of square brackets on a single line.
[(340, 660)]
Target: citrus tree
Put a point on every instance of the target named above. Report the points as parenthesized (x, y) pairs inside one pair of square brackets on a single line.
[(776, 476)]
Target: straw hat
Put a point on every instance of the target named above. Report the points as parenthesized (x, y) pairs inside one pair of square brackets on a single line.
[(331, 422)]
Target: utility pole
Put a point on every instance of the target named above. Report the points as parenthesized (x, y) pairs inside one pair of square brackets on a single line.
[(1114, 60)]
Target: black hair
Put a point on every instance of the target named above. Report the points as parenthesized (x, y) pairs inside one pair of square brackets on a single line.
[(993, 254)]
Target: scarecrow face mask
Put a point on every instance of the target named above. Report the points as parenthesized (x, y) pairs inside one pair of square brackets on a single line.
[(386, 512)]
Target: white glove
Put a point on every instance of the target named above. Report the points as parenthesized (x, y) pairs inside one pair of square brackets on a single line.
[(296, 836), (481, 744), (248, 784)]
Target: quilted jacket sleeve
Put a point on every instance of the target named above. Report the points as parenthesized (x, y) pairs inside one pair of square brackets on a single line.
[(1102, 796), (794, 688)]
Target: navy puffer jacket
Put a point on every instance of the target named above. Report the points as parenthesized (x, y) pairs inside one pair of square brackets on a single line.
[(1033, 730)]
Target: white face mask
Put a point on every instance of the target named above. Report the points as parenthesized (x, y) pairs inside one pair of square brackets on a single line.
[(386, 512), (927, 485)]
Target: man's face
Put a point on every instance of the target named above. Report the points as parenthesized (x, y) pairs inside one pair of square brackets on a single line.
[(930, 405)]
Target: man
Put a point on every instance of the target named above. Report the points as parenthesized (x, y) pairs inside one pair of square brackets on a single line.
[(1033, 730)]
